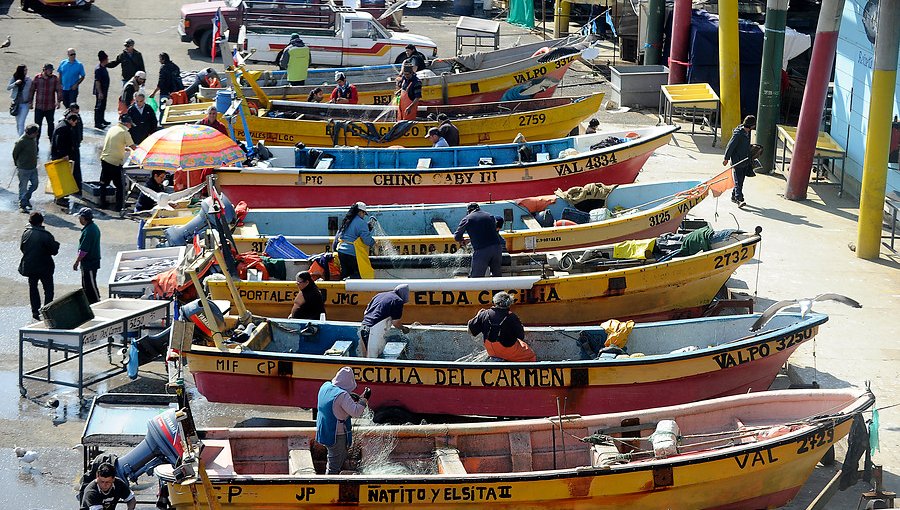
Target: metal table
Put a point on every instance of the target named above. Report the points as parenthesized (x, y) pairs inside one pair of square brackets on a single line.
[(827, 150), (693, 97), (112, 317), (476, 30)]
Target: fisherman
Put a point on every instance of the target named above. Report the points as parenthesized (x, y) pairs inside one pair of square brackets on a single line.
[(353, 227), (385, 310), (409, 93), (336, 405), (487, 245), (593, 124), (154, 183), (737, 154), (295, 59), (344, 93), (447, 130), (410, 54), (212, 120), (434, 135), (308, 304), (502, 331), (105, 492), (88, 254)]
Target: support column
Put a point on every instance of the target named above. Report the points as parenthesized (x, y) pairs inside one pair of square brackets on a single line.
[(656, 18), (878, 134), (681, 39), (729, 68), (820, 67), (561, 18), (770, 82)]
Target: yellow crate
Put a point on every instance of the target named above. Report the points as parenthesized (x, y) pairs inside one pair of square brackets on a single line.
[(59, 172)]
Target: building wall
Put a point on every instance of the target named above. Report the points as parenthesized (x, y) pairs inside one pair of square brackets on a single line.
[(852, 93)]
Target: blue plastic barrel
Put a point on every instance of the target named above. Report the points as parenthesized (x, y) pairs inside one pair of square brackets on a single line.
[(223, 99)]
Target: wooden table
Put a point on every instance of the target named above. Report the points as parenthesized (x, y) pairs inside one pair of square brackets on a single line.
[(696, 97), (827, 150)]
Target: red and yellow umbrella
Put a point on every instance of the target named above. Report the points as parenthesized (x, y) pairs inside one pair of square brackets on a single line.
[(187, 147)]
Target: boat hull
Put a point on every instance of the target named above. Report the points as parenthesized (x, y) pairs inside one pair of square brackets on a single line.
[(269, 378), (311, 187), (679, 288)]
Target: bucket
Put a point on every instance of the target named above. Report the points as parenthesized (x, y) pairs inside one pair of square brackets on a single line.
[(223, 100)]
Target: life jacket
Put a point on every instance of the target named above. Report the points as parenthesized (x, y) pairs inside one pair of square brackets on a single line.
[(326, 421)]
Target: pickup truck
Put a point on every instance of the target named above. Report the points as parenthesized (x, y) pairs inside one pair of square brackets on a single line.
[(336, 36), (196, 18)]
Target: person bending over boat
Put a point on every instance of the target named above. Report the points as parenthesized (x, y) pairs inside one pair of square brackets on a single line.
[(309, 303), (353, 227), (487, 245), (385, 310), (344, 93), (409, 93), (502, 331), (336, 405)]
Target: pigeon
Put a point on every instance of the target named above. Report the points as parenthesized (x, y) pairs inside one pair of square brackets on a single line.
[(6, 43), (164, 200), (27, 456), (805, 305)]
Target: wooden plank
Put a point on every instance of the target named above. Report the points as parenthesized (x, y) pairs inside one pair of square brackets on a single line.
[(825, 496), (520, 451), (530, 222), (448, 461), (300, 457), (441, 227)]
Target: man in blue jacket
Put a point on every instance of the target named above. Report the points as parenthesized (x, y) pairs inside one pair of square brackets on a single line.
[(487, 245), (336, 405)]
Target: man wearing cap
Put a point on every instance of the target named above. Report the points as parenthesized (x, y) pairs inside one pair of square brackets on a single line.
[(434, 135), (353, 227), (212, 120), (71, 73), (130, 59), (45, 97), (487, 245), (737, 153), (385, 310), (295, 59), (344, 93), (143, 118), (502, 331), (447, 130), (409, 89), (130, 88), (88, 254), (112, 158), (101, 90), (412, 55)]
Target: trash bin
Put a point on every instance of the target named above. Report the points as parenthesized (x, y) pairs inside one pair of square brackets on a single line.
[(67, 312)]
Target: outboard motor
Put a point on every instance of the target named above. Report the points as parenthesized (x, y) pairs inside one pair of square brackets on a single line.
[(161, 445), (181, 235)]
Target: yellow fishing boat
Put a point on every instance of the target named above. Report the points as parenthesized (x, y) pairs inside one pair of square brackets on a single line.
[(637, 289), (743, 452), (325, 125)]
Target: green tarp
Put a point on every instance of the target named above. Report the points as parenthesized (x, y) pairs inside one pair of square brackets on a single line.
[(521, 12)]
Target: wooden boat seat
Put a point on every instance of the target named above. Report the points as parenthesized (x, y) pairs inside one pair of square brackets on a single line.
[(324, 163), (542, 156), (340, 348), (441, 227), (485, 161), (531, 222), (260, 338), (217, 457), (448, 461), (300, 462), (394, 350), (423, 163)]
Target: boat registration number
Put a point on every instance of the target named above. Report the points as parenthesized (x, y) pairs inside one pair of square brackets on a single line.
[(816, 441), (732, 257)]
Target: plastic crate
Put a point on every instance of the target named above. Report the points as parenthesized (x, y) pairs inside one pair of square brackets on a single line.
[(90, 191), (280, 248), (59, 172), (67, 312)]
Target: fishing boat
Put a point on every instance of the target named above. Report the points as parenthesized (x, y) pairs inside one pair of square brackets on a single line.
[(317, 124), (340, 176), (432, 369), (602, 288), (521, 72), (740, 452), (634, 211)]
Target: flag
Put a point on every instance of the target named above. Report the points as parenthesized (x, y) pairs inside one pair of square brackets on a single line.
[(217, 32), (234, 56), (609, 21), (721, 183)]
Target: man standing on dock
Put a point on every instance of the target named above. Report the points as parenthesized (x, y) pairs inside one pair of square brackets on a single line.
[(38, 248), (336, 405), (88, 254), (487, 245)]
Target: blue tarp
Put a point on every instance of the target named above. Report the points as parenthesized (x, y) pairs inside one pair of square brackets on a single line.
[(704, 56)]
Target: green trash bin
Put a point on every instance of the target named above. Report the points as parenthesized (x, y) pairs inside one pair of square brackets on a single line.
[(67, 312)]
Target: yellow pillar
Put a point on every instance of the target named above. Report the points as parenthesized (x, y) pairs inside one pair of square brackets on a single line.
[(561, 18), (878, 133), (729, 68)]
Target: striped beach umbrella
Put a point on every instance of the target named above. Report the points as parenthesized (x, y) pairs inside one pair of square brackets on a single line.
[(187, 147)]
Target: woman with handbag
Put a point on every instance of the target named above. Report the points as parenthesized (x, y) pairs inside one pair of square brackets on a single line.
[(19, 90)]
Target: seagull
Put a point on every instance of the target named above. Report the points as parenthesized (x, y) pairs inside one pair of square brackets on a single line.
[(164, 200), (26, 456), (805, 305), (6, 43)]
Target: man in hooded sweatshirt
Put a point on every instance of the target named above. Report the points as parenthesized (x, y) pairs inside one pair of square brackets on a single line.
[(385, 310), (336, 405)]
